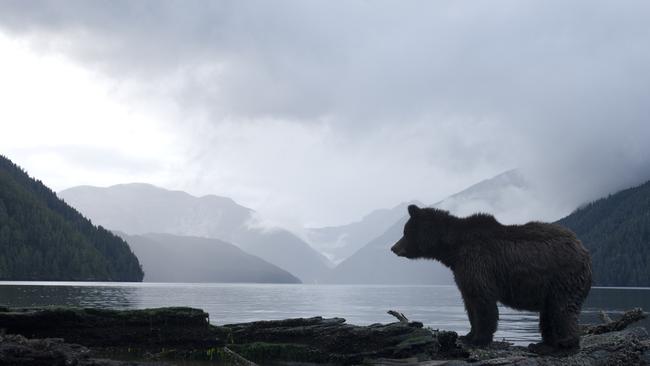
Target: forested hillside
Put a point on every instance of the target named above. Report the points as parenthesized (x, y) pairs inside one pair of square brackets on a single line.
[(42, 238), (616, 230)]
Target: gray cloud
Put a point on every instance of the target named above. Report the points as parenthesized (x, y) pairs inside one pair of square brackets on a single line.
[(88, 157), (370, 103)]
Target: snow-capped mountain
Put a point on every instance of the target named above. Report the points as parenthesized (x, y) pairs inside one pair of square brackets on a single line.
[(340, 242)]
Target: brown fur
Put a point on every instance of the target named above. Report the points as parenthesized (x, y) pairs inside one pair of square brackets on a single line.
[(536, 267)]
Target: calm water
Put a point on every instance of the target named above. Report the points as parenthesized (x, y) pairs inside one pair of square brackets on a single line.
[(435, 306)]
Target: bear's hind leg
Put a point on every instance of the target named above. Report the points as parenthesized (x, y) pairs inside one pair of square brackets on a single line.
[(560, 323), (548, 345), (568, 330), (565, 322), (546, 327)]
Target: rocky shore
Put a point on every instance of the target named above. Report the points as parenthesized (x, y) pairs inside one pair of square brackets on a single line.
[(74, 336)]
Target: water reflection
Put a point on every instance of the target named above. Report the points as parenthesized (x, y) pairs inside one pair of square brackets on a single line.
[(439, 307), (21, 294)]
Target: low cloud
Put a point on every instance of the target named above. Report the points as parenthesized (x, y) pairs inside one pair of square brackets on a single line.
[(322, 111)]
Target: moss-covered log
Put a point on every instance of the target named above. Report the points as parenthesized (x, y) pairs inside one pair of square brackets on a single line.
[(177, 327), (186, 333), (332, 340)]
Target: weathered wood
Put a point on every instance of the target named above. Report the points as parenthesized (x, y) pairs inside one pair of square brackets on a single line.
[(604, 317), (334, 341), (184, 332), (401, 317)]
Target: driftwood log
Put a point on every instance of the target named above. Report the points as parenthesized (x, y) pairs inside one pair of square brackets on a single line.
[(401, 317), (185, 333)]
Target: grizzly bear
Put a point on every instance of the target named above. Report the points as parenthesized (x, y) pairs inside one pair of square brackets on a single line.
[(537, 267)]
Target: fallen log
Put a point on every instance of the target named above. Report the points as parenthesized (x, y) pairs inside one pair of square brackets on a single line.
[(148, 329), (173, 333), (322, 340)]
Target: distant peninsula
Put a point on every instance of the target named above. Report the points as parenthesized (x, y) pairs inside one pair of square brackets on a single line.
[(174, 258)]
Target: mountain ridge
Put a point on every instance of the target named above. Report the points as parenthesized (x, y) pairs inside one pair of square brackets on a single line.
[(137, 209)]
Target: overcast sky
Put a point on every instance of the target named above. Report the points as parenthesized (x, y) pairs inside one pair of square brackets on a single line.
[(316, 112)]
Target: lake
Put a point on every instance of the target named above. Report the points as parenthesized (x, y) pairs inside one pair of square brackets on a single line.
[(439, 307)]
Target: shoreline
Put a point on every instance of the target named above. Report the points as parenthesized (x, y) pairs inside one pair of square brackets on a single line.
[(146, 283), (435, 306)]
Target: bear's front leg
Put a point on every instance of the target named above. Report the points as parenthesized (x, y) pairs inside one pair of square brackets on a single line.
[(480, 302), (483, 315), (487, 318), (471, 315)]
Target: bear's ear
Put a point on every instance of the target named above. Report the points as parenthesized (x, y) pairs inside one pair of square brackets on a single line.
[(414, 210)]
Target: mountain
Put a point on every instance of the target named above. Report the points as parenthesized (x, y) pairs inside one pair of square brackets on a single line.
[(142, 208), (42, 238), (340, 242), (508, 196), (173, 258), (616, 230), (374, 263), (285, 250)]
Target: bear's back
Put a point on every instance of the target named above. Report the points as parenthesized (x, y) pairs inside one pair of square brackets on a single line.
[(538, 231)]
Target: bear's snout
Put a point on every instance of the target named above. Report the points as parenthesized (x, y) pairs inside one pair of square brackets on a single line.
[(398, 248)]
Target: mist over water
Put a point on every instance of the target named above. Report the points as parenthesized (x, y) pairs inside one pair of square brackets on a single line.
[(438, 307)]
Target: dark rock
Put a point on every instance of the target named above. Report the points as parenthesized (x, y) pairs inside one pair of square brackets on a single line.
[(20, 351), (626, 347)]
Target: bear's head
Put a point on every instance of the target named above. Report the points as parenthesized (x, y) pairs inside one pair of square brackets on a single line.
[(424, 234)]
